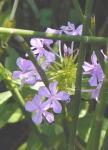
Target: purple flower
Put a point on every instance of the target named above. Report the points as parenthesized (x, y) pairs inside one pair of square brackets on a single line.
[(38, 45), (53, 96), (27, 74), (67, 51), (39, 110), (70, 29), (94, 70), (95, 92), (53, 31)]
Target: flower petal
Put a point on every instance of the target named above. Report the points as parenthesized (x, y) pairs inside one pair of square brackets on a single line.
[(37, 100), (37, 118), (49, 116), (43, 91), (24, 65), (31, 80), (53, 87), (94, 59), (36, 42), (46, 105), (57, 108), (53, 31), (93, 81), (30, 106), (100, 74), (63, 96), (87, 67), (16, 74), (79, 30), (96, 92), (50, 57)]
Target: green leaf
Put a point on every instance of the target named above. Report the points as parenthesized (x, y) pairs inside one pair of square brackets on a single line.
[(4, 96), (16, 116), (6, 110), (23, 146)]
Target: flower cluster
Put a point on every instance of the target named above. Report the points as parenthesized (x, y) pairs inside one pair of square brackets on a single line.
[(58, 60), (46, 99)]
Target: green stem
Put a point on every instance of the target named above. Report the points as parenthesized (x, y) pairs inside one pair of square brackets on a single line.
[(13, 12), (33, 59), (77, 99), (78, 10), (30, 33), (97, 122)]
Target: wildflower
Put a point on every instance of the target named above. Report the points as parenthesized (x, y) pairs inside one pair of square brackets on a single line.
[(94, 70), (95, 92), (38, 45), (28, 73), (70, 29), (67, 51), (39, 110), (53, 31), (53, 96)]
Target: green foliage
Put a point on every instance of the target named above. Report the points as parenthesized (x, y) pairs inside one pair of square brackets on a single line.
[(4, 96), (84, 126), (6, 111), (16, 116), (34, 142)]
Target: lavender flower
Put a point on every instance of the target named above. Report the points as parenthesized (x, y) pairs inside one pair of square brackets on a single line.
[(53, 96), (95, 92), (53, 31), (38, 45), (94, 70), (39, 110), (28, 73), (70, 29), (67, 51)]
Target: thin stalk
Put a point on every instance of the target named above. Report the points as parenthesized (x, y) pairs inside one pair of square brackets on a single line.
[(97, 122), (77, 99), (14, 9), (78, 10), (105, 142), (9, 23), (30, 33), (60, 53), (33, 59)]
